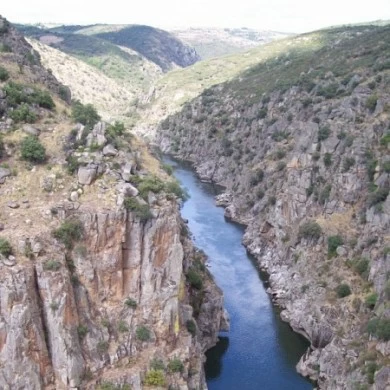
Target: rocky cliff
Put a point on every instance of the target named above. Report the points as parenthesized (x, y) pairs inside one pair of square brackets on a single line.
[(96, 263), (301, 143)]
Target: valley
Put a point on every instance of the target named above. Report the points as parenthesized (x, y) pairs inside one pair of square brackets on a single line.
[(105, 285)]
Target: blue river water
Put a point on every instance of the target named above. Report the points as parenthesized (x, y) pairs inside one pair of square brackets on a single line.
[(260, 351)]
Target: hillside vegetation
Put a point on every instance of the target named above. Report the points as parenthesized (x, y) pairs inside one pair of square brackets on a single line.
[(217, 42), (301, 142)]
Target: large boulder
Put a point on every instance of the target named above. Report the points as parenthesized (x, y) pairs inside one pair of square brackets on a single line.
[(86, 175)]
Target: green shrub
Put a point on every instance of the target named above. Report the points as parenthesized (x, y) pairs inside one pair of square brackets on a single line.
[(69, 232), (143, 333), (329, 91), (19, 93), (141, 211), (32, 150), (131, 303), (378, 196), (44, 99), (113, 386), (102, 346), (310, 230), (371, 300), (328, 159), (52, 265), (150, 183), (155, 378), (256, 177), (191, 327), (348, 163), (323, 133), (168, 169), (85, 114), (371, 102), (385, 166), (195, 279), (5, 247), (82, 331), (343, 290), (4, 75), (173, 187), (2, 148), (175, 365), (333, 243), (379, 328), (325, 193), (280, 166), (23, 114), (361, 266), (385, 140), (115, 130), (157, 364), (122, 327), (72, 165)]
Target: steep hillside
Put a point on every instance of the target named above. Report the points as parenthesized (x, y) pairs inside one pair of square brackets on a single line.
[(156, 45), (95, 260), (217, 42), (301, 143), (121, 64)]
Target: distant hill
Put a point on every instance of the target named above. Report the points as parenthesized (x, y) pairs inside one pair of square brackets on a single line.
[(216, 42), (156, 45)]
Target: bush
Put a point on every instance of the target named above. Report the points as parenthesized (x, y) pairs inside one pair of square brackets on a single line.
[(348, 163), (19, 93), (142, 333), (191, 327), (378, 196), (155, 378), (113, 386), (157, 364), (69, 232), (379, 328), (85, 114), (82, 331), (102, 346), (173, 187), (385, 166), (385, 140), (328, 159), (195, 279), (52, 265), (333, 243), (323, 133), (150, 183), (5, 247), (256, 177), (131, 303), (371, 300), (122, 327), (361, 266), (32, 150), (371, 102), (343, 290), (4, 75), (175, 365), (325, 193), (141, 211), (310, 230), (23, 114)]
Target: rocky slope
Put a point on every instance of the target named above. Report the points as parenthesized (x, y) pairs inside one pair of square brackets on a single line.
[(217, 42), (301, 143), (100, 285)]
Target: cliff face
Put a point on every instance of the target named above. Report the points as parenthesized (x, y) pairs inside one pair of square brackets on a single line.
[(67, 319), (306, 168), (94, 257)]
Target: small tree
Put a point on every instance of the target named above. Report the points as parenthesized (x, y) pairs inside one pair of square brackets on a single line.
[(343, 290), (5, 247), (32, 150), (85, 114), (310, 230)]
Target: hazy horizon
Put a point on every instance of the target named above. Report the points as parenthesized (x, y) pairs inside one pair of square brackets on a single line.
[(282, 15)]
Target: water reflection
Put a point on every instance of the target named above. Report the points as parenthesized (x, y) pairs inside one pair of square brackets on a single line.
[(214, 363)]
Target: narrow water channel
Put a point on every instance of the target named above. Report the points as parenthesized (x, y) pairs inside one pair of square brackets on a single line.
[(260, 351)]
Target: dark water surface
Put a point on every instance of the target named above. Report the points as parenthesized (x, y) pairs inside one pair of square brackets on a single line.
[(260, 351)]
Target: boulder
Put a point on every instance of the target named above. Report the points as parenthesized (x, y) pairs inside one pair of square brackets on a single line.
[(31, 130), (86, 175), (109, 151), (4, 172)]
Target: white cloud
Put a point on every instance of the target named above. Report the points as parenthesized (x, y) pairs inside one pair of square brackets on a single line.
[(282, 15)]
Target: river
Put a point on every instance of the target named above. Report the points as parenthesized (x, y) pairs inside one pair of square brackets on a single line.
[(260, 351)]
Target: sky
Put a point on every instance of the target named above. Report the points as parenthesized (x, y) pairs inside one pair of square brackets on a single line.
[(278, 15)]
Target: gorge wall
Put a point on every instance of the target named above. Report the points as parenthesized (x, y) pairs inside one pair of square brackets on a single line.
[(301, 143)]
